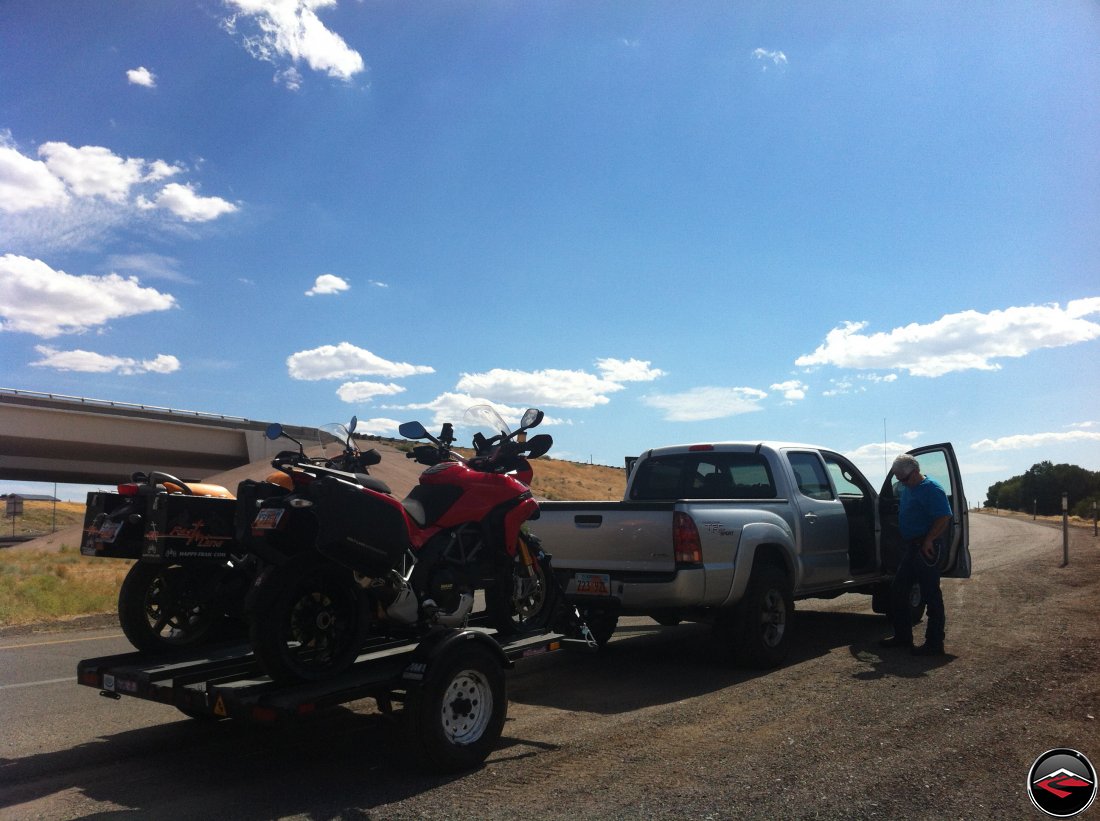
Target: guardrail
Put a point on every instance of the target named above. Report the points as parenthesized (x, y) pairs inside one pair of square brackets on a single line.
[(109, 403)]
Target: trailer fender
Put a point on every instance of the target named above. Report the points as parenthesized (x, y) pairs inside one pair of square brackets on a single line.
[(442, 646)]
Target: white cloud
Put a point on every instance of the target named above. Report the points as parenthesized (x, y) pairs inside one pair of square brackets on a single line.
[(968, 340), (290, 30), (141, 76), (92, 170), (328, 284), (792, 389), (353, 392), (74, 196), (378, 427), (776, 58), (344, 360), (699, 404), (182, 201), (1025, 441), (632, 370), (910, 435), (149, 266), (36, 299), (556, 388), (26, 183), (451, 407), (90, 362)]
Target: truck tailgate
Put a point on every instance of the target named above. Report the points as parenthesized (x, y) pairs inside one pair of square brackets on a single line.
[(632, 537)]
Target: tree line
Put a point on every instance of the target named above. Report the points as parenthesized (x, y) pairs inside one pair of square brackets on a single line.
[(1040, 489)]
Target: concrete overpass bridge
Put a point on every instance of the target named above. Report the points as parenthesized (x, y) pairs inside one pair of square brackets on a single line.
[(52, 438)]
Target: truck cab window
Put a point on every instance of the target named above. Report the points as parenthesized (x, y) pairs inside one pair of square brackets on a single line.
[(810, 476), (703, 476)]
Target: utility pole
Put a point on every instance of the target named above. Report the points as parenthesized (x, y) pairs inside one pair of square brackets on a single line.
[(1065, 529)]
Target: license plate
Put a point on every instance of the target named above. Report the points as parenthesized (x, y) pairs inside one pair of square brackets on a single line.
[(268, 518), (108, 531), (592, 584)]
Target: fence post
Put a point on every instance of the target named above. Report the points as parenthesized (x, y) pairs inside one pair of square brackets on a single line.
[(1065, 529)]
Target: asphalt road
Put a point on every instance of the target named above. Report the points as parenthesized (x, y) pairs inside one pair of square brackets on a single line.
[(654, 728)]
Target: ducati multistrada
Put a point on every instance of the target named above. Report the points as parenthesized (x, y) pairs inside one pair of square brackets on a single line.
[(346, 559)]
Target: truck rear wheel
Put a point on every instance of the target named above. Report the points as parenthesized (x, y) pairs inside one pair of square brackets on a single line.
[(455, 718), (881, 602), (763, 620)]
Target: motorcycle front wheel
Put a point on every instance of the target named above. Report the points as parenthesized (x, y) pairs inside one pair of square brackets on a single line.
[(165, 607), (308, 620), (524, 602)]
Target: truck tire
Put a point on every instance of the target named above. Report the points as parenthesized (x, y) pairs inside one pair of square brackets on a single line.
[(763, 619), (601, 624), (165, 607), (881, 602), (307, 621), (455, 717)]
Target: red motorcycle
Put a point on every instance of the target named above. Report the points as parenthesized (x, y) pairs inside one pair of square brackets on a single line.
[(346, 559)]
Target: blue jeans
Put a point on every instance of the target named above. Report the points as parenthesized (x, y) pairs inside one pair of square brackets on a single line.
[(914, 568)]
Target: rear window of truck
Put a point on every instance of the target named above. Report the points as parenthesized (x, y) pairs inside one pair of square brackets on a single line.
[(706, 475)]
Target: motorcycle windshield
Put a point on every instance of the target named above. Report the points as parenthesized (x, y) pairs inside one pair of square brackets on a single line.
[(484, 418), (332, 438)]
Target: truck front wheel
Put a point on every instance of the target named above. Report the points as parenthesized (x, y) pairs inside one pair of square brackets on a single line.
[(763, 620)]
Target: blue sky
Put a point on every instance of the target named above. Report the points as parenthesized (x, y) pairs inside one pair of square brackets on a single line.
[(861, 225)]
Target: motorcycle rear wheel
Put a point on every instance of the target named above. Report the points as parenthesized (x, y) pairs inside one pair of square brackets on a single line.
[(522, 603), (165, 607), (309, 622)]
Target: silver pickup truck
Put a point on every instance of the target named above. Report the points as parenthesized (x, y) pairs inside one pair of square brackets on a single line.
[(733, 533)]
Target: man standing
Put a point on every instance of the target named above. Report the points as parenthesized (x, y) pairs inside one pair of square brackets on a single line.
[(924, 514)]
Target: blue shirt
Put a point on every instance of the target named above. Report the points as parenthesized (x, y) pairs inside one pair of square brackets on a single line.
[(920, 506)]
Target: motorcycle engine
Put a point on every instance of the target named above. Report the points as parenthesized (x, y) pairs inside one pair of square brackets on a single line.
[(447, 587)]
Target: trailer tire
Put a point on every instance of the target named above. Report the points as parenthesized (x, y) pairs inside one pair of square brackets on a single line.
[(454, 718), (762, 621), (165, 607)]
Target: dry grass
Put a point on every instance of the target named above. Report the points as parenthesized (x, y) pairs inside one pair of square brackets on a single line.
[(571, 481), (42, 517)]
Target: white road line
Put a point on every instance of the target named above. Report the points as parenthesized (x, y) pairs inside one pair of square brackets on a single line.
[(69, 679), (61, 641)]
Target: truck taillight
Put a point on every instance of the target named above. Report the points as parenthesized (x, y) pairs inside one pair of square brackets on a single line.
[(685, 539)]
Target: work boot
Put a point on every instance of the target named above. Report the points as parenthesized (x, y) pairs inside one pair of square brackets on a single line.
[(894, 641), (929, 648)]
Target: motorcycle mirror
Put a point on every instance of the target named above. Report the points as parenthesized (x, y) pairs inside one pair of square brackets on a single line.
[(351, 425), (274, 431), (531, 419), (412, 430), (538, 445), (371, 457)]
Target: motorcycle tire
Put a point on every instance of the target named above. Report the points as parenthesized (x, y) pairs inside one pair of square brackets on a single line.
[(166, 607), (454, 719), (308, 621), (520, 603)]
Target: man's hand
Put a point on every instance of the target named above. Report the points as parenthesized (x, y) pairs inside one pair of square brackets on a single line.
[(928, 550)]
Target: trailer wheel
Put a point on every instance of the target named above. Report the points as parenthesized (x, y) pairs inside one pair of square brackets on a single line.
[(307, 622), (455, 717), (167, 607)]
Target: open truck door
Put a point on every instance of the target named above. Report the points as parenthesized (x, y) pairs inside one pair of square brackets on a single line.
[(936, 462)]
